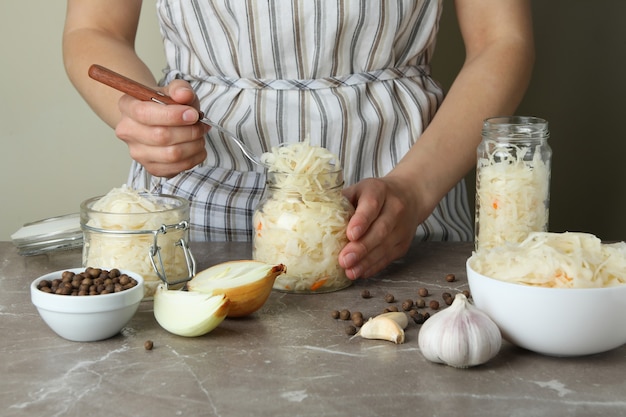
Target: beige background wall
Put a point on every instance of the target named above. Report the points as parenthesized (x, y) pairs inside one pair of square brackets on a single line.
[(56, 153)]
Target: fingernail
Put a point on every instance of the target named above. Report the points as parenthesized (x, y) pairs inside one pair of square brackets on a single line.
[(349, 260), (190, 115), (355, 233), (356, 272)]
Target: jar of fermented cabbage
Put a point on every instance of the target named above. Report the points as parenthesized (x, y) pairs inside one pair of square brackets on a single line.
[(301, 222), (141, 232), (512, 180)]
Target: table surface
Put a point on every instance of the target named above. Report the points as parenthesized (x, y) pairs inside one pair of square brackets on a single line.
[(291, 358)]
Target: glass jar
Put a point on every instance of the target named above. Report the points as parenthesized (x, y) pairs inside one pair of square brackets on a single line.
[(152, 244), (301, 222), (512, 180)]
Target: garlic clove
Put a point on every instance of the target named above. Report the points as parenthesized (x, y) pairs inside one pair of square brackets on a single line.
[(460, 336), (189, 314), (247, 284), (382, 328), (399, 317)]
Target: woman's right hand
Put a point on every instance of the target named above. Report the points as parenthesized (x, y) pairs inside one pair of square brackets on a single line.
[(164, 139)]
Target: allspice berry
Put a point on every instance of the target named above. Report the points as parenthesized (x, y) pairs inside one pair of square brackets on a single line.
[(407, 305), (350, 330), (148, 345)]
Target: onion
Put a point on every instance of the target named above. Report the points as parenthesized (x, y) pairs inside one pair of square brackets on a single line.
[(189, 314), (247, 284)]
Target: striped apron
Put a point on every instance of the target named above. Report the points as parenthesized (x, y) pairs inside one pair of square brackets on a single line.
[(352, 76)]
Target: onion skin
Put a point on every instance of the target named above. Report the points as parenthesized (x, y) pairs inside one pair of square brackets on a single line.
[(245, 298)]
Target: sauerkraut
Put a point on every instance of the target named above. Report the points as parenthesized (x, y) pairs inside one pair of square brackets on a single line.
[(302, 220), (559, 260), (512, 193), (119, 232)]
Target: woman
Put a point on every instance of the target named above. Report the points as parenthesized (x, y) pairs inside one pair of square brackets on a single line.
[(350, 75)]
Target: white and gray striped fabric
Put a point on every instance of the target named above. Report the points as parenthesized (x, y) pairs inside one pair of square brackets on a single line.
[(349, 75)]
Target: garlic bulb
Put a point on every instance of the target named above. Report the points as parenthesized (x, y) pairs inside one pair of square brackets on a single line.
[(460, 336)]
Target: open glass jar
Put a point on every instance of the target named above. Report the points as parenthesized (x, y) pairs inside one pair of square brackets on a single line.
[(301, 222), (152, 244), (512, 180)]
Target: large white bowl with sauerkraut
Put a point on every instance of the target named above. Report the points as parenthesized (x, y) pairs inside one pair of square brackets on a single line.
[(558, 294)]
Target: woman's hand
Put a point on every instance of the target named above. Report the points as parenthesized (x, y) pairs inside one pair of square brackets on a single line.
[(382, 227), (165, 139)]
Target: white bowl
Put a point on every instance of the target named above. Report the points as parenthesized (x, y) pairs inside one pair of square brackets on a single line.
[(553, 321), (87, 318)]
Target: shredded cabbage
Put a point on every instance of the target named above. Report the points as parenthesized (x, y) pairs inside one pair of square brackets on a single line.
[(512, 192), (124, 209), (559, 260), (302, 222)]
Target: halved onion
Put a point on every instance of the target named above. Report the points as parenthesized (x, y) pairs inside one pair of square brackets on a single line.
[(189, 314), (246, 283)]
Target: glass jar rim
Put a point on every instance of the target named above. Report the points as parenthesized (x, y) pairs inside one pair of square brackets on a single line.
[(516, 128), (181, 203)]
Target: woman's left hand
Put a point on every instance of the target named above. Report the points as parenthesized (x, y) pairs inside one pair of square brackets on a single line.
[(382, 227)]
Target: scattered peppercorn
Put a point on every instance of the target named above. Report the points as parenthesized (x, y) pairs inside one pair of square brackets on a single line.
[(148, 345), (422, 292), (466, 293), (447, 298), (344, 315), (357, 320), (390, 298), (434, 304), (350, 330), (334, 314), (419, 318), (365, 294), (420, 303), (450, 278), (407, 305)]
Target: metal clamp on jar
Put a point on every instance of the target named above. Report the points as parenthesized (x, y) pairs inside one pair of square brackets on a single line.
[(155, 253)]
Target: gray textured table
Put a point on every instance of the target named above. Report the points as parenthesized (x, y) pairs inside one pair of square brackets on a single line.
[(288, 359)]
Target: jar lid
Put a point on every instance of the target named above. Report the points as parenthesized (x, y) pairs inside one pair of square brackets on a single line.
[(46, 235)]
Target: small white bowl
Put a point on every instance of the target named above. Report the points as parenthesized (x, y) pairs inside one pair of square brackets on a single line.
[(87, 318), (553, 321)]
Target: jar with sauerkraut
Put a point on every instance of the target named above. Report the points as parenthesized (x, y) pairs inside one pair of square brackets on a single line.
[(141, 232), (302, 218), (512, 180)]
